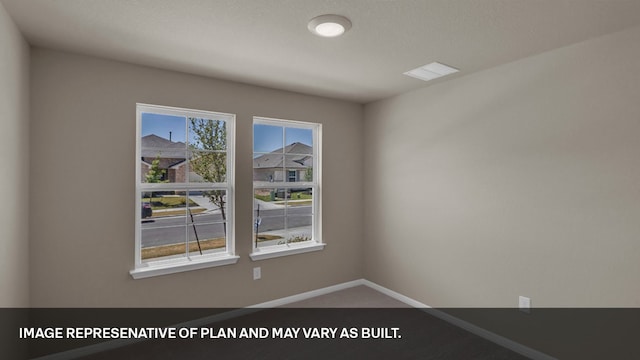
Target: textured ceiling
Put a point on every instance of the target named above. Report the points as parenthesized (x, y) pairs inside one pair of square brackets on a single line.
[(266, 42)]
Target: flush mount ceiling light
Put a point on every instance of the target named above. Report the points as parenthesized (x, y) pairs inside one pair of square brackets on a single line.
[(329, 25), (431, 71)]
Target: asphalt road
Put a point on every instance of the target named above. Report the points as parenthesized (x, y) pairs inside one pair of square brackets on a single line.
[(174, 229)]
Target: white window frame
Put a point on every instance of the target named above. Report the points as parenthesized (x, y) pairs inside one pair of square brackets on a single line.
[(189, 262), (315, 244)]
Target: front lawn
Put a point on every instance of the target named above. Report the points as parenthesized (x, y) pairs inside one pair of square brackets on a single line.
[(295, 203), (294, 196), (179, 249), (168, 202)]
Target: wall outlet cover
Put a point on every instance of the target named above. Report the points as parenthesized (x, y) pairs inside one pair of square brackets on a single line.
[(524, 304)]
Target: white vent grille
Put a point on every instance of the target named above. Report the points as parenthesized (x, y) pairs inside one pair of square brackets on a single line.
[(431, 71)]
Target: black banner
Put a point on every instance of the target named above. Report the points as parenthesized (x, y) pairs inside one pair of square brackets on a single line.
[(303, 333)]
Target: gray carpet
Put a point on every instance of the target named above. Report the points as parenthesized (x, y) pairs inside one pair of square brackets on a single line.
[(355, 297), (422, 335)]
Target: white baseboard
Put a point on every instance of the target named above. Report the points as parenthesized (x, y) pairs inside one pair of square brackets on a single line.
[(476, 330), (309, 294), (495, 338)]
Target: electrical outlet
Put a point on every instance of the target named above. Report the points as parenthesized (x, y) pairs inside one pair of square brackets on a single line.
[(524, 303), (257, 273)]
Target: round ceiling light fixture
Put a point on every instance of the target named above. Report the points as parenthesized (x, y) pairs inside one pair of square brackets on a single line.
[(329, 25)]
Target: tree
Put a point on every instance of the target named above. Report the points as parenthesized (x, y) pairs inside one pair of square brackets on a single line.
[(209, 159), (308, 174), (155, 174)]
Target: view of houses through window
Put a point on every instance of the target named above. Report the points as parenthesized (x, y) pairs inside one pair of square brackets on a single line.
[(183, 187), (285, 183)]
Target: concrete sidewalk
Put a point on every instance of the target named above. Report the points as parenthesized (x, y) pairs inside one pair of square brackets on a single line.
[(204, 202), (266, 205), (304, 231)]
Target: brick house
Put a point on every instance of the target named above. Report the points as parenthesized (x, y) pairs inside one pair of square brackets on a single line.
[(172, 158)]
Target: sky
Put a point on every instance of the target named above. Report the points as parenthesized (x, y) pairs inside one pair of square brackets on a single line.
[(266, 138), (161, 125)]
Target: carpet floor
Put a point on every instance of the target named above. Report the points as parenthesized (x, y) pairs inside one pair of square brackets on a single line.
[(356, 323)]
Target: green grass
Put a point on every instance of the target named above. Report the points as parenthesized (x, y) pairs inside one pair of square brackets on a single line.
[(168, 202), (176, 212), (263, 197), (294, 196), (295, 203), (301, 196)]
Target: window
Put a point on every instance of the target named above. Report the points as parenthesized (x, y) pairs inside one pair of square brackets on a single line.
[(184, 190), (292, 176), (286, 188)]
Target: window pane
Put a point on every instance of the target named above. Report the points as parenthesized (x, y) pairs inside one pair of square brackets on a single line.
[(299, 212), (208, 167), (269, 202), (299, 168), (162, 148), (299, 229), (207, 134), (161, 243), (207, 221), (159, 130), (268, 216), (191, 149), (267, 138), (299, 141), (158, 206), (264, 199), (166, 235), (168, 217), (207, 206), (269, 167), (284, 155), (299, 201), (282, 215), (270, 231), (162, 167), (206, 238)]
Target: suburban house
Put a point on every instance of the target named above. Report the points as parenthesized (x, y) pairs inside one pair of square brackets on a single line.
[(171, 158), (512, 181), (290, 164)]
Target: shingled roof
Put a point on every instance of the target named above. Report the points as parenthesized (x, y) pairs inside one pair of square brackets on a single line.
[(296, 155), (153, 145)]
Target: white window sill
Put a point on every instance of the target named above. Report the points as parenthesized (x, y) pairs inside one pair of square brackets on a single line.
[(284, 250), (171, 267)]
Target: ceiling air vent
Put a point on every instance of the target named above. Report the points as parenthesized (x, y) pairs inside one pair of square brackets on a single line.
[(431, 71)]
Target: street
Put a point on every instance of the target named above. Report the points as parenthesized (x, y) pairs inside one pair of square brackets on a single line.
[(173, 229)]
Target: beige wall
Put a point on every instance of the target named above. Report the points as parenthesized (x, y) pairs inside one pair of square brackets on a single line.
[(14, 182), (82, 164), (519, 180)]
